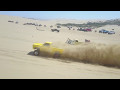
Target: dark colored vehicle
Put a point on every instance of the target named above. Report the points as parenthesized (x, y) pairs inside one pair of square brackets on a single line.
[(111, 32), (58, 27), (40, 25), (80, 29), (69, 27), (10, 21), (51, 26), (16, 22), (55, 30), (30, 24), (85, 30), (103, 31)]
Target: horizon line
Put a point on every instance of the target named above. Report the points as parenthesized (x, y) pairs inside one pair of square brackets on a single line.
[(34, 18)]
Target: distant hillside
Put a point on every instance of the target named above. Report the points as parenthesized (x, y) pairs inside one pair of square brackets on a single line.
[(94, 24)]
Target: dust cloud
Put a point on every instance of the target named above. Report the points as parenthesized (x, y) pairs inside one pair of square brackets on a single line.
[(102, 54)]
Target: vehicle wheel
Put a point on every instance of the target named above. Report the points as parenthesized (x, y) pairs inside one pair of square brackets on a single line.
[(36, 52), (56, 55)]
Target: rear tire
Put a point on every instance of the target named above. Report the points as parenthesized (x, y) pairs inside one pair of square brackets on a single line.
[(56, 55)]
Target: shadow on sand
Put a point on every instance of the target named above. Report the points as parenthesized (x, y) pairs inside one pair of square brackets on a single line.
[(31, 53), (49, 57)]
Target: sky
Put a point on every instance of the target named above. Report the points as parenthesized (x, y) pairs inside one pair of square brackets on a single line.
[(64, 14)]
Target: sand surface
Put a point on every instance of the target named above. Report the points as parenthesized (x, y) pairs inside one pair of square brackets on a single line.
[(17, 61)]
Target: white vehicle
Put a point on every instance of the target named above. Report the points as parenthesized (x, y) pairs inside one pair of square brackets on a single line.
[(111, 32)]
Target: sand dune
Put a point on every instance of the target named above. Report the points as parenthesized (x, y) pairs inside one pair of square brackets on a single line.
[(17, 61)]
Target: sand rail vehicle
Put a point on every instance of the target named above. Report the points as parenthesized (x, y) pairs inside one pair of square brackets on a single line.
[(75, 42), (48, 48)]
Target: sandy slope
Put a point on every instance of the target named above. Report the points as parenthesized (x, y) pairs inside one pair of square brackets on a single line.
[(16, 60)]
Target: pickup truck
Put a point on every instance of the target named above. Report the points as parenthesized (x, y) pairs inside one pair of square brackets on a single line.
[(48, 48)]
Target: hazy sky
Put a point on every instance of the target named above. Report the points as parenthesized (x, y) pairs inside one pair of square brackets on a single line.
[(64, 14)]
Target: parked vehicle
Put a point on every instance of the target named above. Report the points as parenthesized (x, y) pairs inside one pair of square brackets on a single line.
[(70, 27), (16, 22), (86, 40), (80, 29), (85, 30), (58, 27), (45, 25), (10, 21), (111, 32), (55, 30), (40, 25), (51, 26), (88, 30), (103, 31)]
